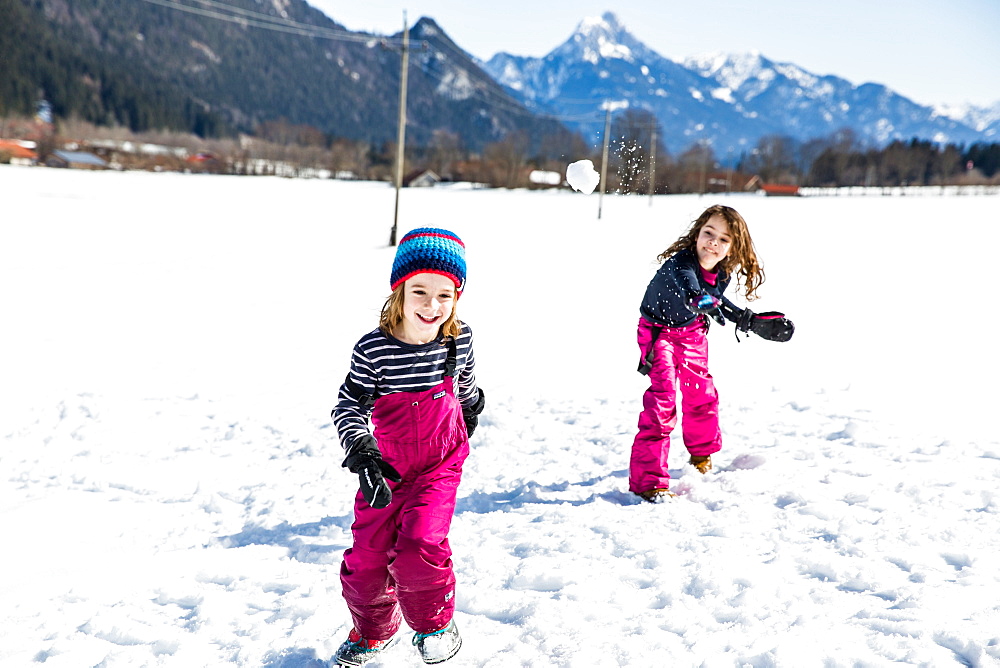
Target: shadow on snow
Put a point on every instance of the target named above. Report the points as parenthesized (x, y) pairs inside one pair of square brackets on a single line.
[(292, 536)]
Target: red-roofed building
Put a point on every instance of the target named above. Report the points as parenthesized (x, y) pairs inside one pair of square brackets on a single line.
[(16, 153), (780, 190), (205, 162)]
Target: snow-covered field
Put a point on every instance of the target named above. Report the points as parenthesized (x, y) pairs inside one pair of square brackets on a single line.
[(171, 491)]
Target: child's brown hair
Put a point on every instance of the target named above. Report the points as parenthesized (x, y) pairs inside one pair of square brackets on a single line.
[(741, 260), (392, 314)]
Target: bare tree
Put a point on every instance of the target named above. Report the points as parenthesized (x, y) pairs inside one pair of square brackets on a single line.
[(774, 159), (349, 156), (694, 164), (633, 132), (508, 158), (948, 164), (558, 148), (445, 151)]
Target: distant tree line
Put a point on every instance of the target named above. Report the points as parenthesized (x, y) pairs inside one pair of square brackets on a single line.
[(841, 160), (834, 161), (916, 163), (638, 161)]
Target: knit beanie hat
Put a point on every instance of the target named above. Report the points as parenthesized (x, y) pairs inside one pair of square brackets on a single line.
[(429, 250)]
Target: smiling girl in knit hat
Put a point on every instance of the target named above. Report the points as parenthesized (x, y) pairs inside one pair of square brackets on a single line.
[(414, 376)]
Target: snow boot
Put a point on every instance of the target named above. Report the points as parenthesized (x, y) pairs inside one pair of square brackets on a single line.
[(703, 464), (439, 646), (356, 651), (657, 495)]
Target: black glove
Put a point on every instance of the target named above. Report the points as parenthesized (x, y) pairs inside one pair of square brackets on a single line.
[(365, 459), (471, 414), (770, 325)]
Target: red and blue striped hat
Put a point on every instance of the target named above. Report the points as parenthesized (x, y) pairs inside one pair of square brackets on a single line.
[(432, 251)]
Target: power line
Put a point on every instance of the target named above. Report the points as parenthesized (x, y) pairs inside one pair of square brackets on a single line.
[(483, 92), (248, 17), (489, 83), (488, 94)]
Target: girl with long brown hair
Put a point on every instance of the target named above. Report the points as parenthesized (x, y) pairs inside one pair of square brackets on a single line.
[(686, 291)]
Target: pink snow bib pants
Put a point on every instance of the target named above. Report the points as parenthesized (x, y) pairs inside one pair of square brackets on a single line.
[(401, 559), (680, 356)]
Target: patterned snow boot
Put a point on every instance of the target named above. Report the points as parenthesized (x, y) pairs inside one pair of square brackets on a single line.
[(658, 495), (439, 646), (703, 464), (356, 651)]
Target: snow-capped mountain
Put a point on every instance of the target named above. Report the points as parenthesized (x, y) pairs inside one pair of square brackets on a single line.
[(602, 62), (795, 102), (985, 120), (730, 101)]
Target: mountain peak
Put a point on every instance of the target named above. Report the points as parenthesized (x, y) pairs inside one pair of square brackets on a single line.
[(426, 28), (607, 22), (602, 37), (606, 27)]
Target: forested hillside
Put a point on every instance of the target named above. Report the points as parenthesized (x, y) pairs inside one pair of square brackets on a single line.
[(43, 53), (173, 64)]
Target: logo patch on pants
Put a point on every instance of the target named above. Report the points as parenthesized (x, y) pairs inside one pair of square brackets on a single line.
[(439, 394)]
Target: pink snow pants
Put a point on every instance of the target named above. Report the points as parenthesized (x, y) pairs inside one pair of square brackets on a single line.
[(680, 356), (401, 560)]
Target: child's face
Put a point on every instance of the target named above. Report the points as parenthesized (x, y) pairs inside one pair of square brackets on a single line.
[(713, 242), (428, 300)]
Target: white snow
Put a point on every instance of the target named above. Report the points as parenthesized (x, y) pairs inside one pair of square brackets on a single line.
[(806, 80), (456, 84), (582, 176), (724, 94), (171, 490), (975, 116), (731, 70), (600, 37), (543, 177)]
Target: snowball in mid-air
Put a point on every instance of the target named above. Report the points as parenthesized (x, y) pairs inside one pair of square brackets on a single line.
[(582, 176)]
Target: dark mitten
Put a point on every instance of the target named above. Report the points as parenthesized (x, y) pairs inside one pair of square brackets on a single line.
[(365, 459), (770, 325), (471, 413)]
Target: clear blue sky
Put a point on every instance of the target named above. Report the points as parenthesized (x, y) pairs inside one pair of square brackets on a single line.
[(931, 51)]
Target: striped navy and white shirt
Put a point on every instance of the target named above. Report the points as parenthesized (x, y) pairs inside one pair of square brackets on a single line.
[(381, 364)]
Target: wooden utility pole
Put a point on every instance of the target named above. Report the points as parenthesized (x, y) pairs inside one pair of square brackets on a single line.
[(729, 170), (401, 128), (604, 159), (704, 166), (652, 164)]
